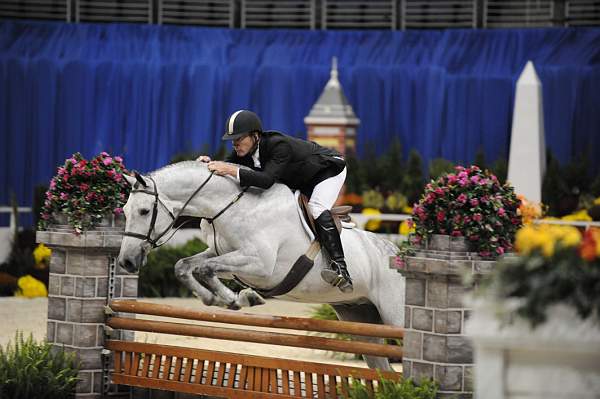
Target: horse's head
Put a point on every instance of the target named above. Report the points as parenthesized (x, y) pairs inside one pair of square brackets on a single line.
[(147, 217)]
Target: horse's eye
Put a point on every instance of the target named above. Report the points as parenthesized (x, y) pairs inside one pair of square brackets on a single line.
[(144, 212)]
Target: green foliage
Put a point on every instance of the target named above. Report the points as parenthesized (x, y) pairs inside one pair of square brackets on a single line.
[(391, 167), (480, 159), (500, 169), (413, 183), (439, 167), (387, 389), (36, 370), (356, 181), (157, 278), (561, 186)]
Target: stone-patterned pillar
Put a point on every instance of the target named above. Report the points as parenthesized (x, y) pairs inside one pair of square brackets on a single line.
[(435, 343), (83, 277)]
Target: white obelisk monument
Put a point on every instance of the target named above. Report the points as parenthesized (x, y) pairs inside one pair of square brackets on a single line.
[(527, 162)]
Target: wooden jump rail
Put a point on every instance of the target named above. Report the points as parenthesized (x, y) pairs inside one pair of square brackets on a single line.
[(236, 375)]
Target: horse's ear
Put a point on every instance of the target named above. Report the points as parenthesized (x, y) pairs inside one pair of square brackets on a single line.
[(140, 179), (130, 179)]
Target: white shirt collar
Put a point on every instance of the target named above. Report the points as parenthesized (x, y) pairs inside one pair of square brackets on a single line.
[(256, 156)]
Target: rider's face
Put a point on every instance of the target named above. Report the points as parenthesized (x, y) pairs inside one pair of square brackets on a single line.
[(243, 145)]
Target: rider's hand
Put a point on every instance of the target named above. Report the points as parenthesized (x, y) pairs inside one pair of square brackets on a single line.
[(203, 158), (222, 168)]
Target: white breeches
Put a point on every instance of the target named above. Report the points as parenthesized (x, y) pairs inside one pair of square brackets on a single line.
[(325, 194)]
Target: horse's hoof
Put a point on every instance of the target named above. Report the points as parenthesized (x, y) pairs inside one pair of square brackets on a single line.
[(249, 297), (345, 287), (330, 276)]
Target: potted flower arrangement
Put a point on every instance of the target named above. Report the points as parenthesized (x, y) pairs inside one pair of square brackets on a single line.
[(84, 192), (538, 317), (469, 203)]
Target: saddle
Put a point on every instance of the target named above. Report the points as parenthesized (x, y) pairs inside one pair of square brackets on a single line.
[(306, 261), (340, 214)]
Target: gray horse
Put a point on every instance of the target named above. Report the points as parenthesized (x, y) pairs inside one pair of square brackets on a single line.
[(256, 239)]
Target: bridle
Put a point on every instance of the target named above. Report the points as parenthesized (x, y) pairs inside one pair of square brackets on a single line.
[(154, 242)]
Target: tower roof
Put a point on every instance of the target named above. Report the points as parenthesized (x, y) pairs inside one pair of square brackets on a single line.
[(332, 107)]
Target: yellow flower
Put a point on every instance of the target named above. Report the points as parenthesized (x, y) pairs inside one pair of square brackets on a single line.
[(597, 201), (546, 238), (405, 228), (372, 224), (42, 254), (579, 216), (30, 287), (407, 209)]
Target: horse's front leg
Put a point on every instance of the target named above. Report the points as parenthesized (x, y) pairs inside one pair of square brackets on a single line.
[(184, 269), (232, 263)]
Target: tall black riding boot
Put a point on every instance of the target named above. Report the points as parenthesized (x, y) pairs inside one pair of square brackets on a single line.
[(330, 240)]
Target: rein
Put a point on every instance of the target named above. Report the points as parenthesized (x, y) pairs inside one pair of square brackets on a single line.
[(154, 242)]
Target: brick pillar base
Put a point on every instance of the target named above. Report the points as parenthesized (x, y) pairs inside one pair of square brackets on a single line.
[(435, 344), (83, 277)]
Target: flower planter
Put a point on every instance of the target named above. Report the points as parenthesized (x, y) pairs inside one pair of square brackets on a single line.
[(560, 358)]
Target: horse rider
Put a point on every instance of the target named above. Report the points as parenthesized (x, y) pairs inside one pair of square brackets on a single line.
[(316, 171)]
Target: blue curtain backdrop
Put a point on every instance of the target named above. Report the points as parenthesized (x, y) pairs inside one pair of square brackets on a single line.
[(147, 92)]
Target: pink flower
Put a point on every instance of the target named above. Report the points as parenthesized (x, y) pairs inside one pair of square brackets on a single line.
[(107, 161), (462, 198), (456, 219), (500, 250), (462, 182), (118, 177), (430, 198), (118, 211), (456, 233), (474, 237), (410, 223), (483, 182), (61, 170), (485, 254), (474, 202), (52, 184), (64, 196), (104, 154), (477, 217), (459, 168), (399, 262), (439, 191), (463, 175), (428, 186), (118, 159), (501, 212), (475, 179), (441, 215), (452, 178), (485, 199), (84, 187), (45, 216), (515, 221), (466, 219)]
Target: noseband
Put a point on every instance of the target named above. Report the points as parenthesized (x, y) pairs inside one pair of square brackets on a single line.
[(148, 237)]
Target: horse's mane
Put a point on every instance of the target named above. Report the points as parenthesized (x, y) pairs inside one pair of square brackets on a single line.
[(184, 164)]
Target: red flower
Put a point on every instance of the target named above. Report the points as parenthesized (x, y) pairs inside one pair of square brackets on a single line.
[(441, 215)]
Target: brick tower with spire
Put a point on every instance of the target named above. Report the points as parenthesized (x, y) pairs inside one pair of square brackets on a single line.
[(331, 121)]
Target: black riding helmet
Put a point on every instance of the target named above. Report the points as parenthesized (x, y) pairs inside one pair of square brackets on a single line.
[(240, 123)]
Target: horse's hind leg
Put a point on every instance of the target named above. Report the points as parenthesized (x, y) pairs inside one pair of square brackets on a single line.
[(364, 313)]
